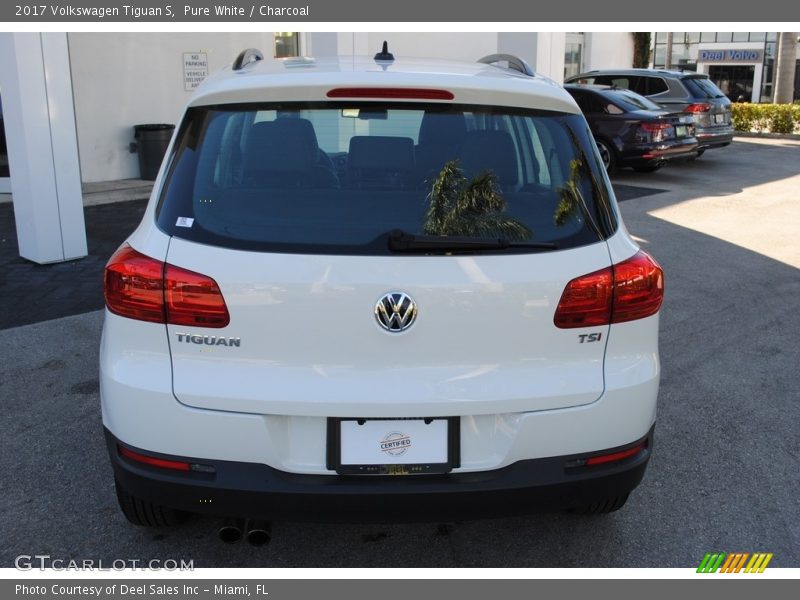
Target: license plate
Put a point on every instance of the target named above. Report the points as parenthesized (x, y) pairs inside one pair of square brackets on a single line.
[(393, 446), (680, 131), (719, 119)]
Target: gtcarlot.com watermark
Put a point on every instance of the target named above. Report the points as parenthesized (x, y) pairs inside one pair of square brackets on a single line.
[(45, 562)]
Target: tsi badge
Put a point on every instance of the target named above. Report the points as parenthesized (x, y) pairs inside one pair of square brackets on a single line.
[(395, 443)]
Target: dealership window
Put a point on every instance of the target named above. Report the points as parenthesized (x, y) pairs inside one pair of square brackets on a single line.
[(573, 54), (685, 46), (684, 50), (768, 76), (287, 44)]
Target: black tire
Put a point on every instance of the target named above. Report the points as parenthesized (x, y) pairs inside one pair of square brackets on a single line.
[(608, 154), (146, 514), (647, 168), (699, 154), (601, 506)]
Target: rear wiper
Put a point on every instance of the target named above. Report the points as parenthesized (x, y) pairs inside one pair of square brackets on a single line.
[(400, 241)]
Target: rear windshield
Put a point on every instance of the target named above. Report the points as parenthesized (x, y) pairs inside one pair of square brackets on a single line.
[(700, 87), (332, 178), (631, 100)]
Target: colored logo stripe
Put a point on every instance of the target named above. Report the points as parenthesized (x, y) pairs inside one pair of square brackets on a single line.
[(733, 563), (758, 563)]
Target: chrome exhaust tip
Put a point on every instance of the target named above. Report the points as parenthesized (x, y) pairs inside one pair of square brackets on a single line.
[(231, 531), (259, 533)]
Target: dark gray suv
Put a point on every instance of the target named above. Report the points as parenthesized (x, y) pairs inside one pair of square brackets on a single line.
[(678, 91)]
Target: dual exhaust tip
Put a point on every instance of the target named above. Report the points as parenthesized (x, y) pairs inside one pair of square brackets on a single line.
[(256, 532)]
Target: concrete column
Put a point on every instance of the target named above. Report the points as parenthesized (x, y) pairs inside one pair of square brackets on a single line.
[(550, 47), (785, 66), (758, 77), (42, 146)]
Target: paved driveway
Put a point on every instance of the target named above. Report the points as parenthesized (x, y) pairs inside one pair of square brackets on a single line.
[(724, 475)]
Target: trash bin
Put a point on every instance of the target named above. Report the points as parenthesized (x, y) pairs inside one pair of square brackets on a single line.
[(151, 145)]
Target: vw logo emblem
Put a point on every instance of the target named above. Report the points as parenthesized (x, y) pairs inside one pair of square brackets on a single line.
[(395, 312)]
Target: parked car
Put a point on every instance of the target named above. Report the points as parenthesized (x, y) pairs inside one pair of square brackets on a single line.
[(632, 131), (365, 288), (683, 91)]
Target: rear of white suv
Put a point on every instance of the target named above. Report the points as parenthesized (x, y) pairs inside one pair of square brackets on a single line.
[(366, 288)]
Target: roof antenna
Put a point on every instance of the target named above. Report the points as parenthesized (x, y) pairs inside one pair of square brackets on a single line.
[(384, 54)]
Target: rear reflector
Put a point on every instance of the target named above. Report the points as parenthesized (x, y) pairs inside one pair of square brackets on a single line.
[(615, 456), (632, 289), (161, 463), (146, 289), (175, 465), (698, 107), (391, 93)]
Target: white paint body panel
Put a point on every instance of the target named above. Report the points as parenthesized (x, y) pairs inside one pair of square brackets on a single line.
[(483, 342)]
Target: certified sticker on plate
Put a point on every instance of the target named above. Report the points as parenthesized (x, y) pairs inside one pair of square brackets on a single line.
[(408, 446), (384, 442)]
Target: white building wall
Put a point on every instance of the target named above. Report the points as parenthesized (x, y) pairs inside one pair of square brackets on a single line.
[(608, 50), (125, 79), (544, 51), (455, 46)]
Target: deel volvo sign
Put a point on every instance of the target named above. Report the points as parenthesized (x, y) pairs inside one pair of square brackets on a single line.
[(730, 56)]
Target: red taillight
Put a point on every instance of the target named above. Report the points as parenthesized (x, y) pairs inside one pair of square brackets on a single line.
[(391, 93), (175, 465), (194, 299), (655, 132), (632, 289), (655, 126), (615, 456), (586, 301), (134, 286), (638, 288), (698, 107), (146, 289)]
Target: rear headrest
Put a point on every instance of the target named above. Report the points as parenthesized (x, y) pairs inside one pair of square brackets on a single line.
[(286, 144), (490, 150), (442, 128), (381, 152)]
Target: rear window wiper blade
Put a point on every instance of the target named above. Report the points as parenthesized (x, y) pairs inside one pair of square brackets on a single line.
[(401, 241)]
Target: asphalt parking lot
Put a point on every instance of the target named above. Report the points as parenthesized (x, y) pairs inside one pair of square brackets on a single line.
[(724, 475)]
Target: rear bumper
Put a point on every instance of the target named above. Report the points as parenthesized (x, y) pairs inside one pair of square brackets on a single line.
[(714, 137), (258, 491), (658, 154)]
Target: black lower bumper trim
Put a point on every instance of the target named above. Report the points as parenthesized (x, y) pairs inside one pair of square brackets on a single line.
[(259, 491)]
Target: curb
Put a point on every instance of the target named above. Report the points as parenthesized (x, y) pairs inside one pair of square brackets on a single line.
[(767, 136)]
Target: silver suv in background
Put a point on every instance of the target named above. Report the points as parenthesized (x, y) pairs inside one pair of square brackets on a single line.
[(683, 91)]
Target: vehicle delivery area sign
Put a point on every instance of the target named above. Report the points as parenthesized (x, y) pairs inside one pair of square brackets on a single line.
[(195, 69)]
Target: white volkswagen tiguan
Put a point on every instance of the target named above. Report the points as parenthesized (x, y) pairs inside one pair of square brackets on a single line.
[(369, 288)]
